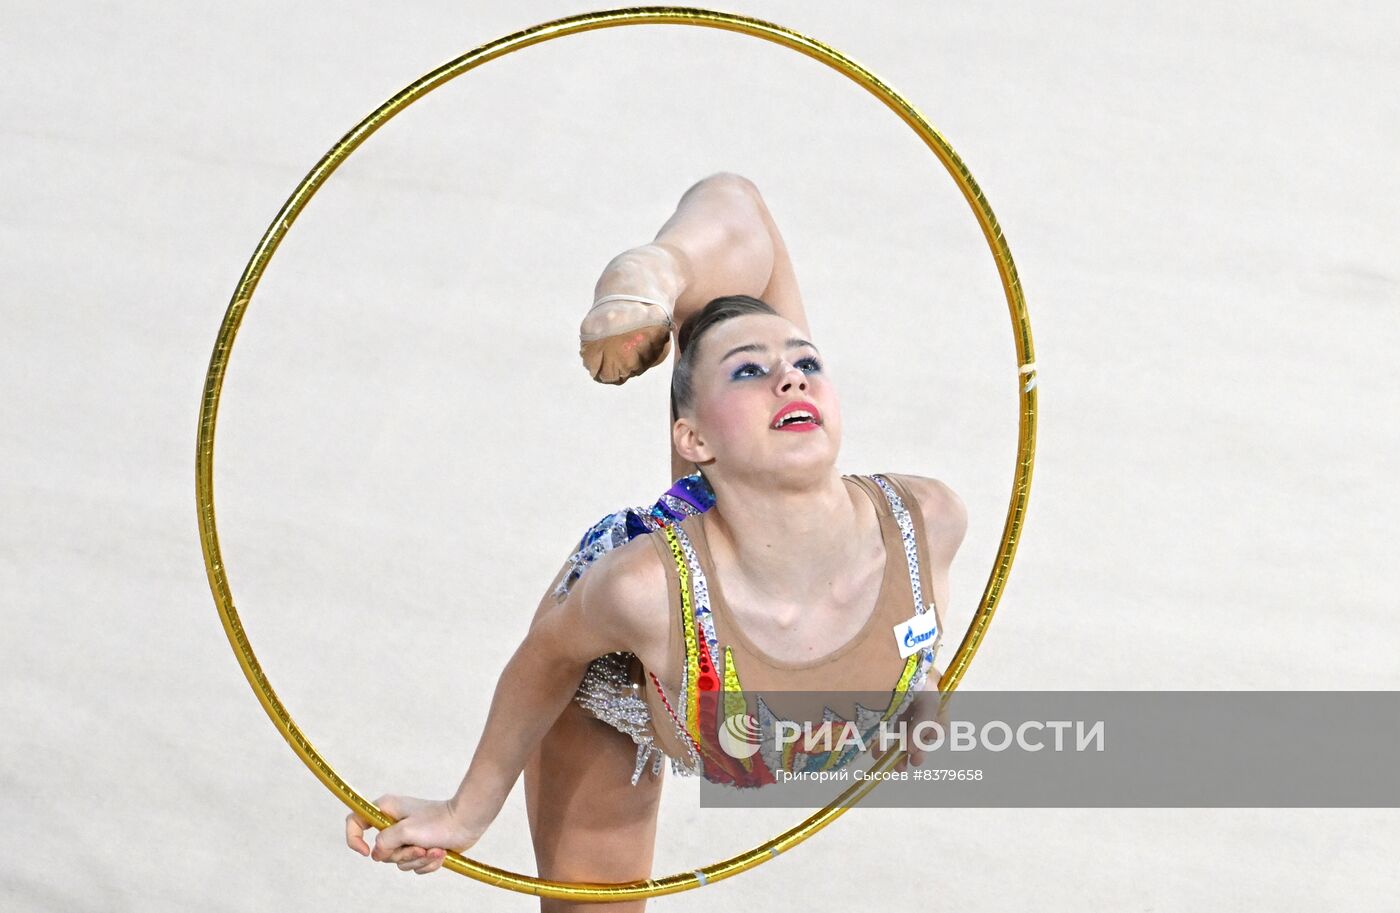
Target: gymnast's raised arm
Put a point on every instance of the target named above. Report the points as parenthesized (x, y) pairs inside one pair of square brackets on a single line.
[(620, 604)]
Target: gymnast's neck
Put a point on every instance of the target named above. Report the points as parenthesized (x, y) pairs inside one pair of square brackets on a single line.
[(790, 531)]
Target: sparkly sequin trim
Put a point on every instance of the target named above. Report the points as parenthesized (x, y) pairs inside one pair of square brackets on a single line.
[(690, 671), (906, 533), (608, 692), (688, 496), (606, 689), (918, 664), (703, 616)]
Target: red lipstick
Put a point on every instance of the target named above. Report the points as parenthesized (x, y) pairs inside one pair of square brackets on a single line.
[(808, 422)]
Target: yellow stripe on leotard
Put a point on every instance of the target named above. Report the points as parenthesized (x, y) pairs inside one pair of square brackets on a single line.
[(911, 666), (691, 685), (733, 696)]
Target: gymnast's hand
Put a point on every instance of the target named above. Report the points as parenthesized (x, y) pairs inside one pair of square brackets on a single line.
[(927, 707), (418, 840)]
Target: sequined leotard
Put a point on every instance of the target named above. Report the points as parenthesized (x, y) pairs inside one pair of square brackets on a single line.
[(720, 662)]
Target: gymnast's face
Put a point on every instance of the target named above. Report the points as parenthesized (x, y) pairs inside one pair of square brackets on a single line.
[(763, 402)]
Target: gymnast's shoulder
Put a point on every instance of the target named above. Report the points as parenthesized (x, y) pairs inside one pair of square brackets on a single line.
[(943, 512), (626, 595)]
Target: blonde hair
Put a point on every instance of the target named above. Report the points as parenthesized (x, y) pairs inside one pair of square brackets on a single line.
[(688, 339)]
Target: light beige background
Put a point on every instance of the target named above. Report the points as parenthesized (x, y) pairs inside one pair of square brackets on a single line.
[(1202, 205)]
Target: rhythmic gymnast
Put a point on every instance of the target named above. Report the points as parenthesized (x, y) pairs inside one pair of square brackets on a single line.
[(758, 569)]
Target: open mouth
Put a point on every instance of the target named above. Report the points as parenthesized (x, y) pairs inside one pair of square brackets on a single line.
[(799, 416)]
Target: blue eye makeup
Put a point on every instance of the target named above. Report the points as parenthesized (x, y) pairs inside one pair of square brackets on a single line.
[(807, 364), (744, 371)]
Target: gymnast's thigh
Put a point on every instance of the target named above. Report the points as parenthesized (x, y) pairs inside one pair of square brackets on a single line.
[(587, 821)]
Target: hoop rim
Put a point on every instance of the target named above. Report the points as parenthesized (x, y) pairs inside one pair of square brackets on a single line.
[(216, 568)]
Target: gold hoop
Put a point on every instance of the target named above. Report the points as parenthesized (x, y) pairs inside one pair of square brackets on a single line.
[(262, 254)]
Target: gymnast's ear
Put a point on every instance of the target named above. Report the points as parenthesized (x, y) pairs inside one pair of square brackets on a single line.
[(688, 442)]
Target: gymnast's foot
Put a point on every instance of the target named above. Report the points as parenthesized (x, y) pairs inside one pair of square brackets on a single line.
[(628, 329)]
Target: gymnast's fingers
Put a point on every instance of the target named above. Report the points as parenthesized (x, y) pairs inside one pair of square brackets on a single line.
[(390, 842), (431, 861), (441, 857), (405, 853), (916, 755), (355, 826)]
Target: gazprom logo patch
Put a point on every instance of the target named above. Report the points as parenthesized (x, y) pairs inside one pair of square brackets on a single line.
[(913, 640), (740, 735), (916, 633)]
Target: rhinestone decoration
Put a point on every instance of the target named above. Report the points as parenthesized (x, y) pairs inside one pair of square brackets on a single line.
[(688, 496), (703, 616), (608, 692)]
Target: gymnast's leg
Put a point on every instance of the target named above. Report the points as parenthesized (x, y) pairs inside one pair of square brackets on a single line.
[(721, 240), (587, 821)]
